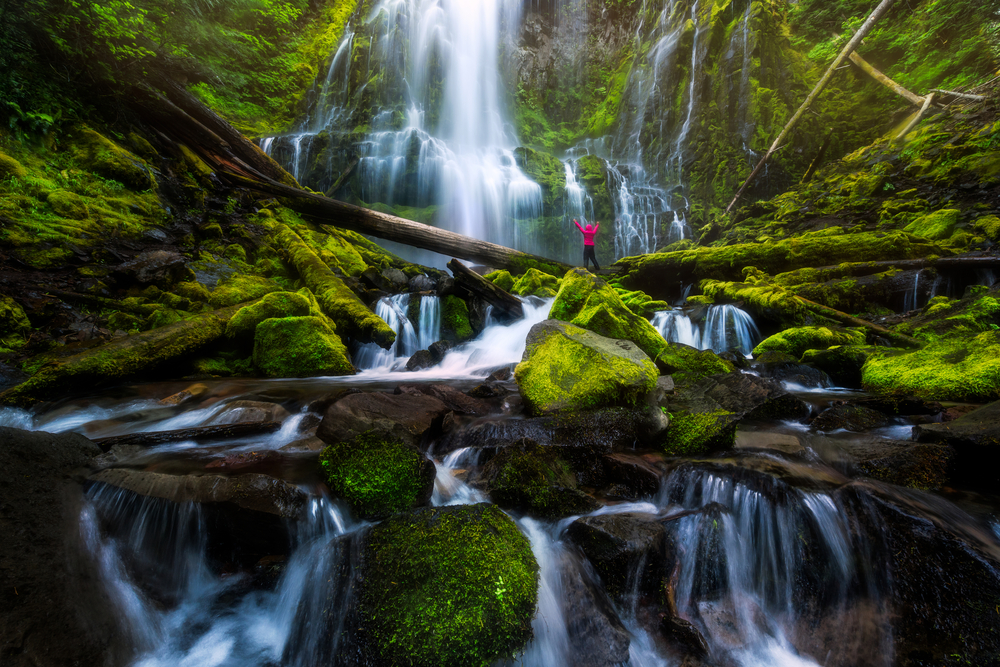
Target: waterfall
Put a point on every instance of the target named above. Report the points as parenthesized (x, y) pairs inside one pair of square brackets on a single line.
[(392, 310), (912, 298), (726, 327), (430, 322)]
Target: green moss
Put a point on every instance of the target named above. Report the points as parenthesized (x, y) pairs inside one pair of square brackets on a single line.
[(936, 226), (843, 363), (11, 168), (534, 479), (12, 317), (588, 302), (192, 291), (688, 365), (948, 369), (973, 314), (299, 347), (275, 305), (501, 279), (222, 367), (447, 587), (124, 322), (67, 204), (103, 156), (572, 369), (455, 319), (162, 318), (697, 432), (796, 341), (536, 283), (377, 475), (989, 226), (240, 288), (641, 303)]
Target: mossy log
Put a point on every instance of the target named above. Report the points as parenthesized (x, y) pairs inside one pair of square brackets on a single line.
[(199, 434), (865, 67), (506, 305), (108, 304), (852, 321), (941, 263), (352, 317), (121, 359)]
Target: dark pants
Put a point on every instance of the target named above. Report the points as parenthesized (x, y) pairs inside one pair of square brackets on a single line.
[(588, 253)]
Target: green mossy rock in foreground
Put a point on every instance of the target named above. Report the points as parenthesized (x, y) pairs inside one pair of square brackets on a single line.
[(11, 168), (501, 279), (843, 363), (275, 305), (535, 283), (534, 479), (693, 433), (588, 302), (796, 341), (949, 369), (378, 475), (446, 587), (568, 368), (687, 364), (296, 347)]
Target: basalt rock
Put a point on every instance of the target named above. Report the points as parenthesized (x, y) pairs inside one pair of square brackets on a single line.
[(413, 418), (155, 267), (596, 635), (975, 437), (850, 418), (457, 401)]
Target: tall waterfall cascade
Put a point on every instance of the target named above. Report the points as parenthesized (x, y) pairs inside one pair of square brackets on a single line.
[(413, 113)]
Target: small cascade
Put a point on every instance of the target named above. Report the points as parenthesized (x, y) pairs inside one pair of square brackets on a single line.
[(448, 488), (912, 298), (392, 310), (725, 328), (430, 322), (550, 647)]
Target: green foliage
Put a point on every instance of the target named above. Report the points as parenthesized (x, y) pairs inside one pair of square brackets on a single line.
[(447, 587), (377, 475)]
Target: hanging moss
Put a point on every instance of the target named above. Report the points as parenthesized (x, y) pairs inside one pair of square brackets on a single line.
[(377, 475), (446, 587), (299, 347)]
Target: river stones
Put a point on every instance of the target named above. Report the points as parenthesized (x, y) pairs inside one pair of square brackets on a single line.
[(975, 437), (378, 475), (445, 587), (412, 418), (631, 551), (49, 578), (596, 635), (457, 401), (630, 477), (783, 367), (530, 478), (567, 368), (842, 363), (850, 418), (238, 412)]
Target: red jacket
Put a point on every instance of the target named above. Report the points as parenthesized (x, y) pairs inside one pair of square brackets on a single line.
[(588, 237)]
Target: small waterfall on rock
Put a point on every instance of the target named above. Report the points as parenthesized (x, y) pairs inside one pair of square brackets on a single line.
[(430, 322), (912, 299), (392, 310), (725, 328)]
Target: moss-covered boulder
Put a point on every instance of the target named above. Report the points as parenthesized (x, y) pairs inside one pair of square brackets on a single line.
[(568, 368), (240, 288), (455, 326), (101, 155), (446, 587), (68, 204), (588, 302), (796, 341), (843, 363), (12, 317), (530, 478), (276, 305), (989, 226), (299, 347), (687, 364), (949, 369), (936, 226), (536, 283), (11, 168), (378, 475), (693, 433), (501, 279), (641, 303)]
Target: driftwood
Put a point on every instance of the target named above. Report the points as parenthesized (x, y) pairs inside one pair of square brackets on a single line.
[(850, 320), (916, 119), (912, 98), (199, 434), (505, 305), (847, 50)]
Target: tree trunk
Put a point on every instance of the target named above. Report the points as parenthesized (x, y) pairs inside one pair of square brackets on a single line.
[(850, 320), (930, 263), (913, 99), (200, 434), (507, 306), (920, 114), (851, 45)]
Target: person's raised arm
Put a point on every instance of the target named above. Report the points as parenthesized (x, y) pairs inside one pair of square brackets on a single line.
[(597, 225), (577, 225)]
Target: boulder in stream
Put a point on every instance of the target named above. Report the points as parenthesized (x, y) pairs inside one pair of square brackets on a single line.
[(850, 418), (568, 368), (378, 475), (975, 437), (596, 635), (411, 417)]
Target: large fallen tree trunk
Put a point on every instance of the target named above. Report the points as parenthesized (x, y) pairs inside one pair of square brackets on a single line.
[(817, 89), (121, 359), (850, 320), (507, 306), (353, 317), (865, 67), (945, 263)]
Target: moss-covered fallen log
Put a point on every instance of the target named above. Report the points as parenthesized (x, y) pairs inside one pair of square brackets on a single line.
[(352, 317), (506, 305), (121, 359)]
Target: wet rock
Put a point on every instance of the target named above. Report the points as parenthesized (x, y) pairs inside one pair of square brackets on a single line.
[(783, 367), (49, 577), (530, 478), (501, 374), (631, 477), (618, 545), (439, 349), (748, 397), (763, 440), (421, 283), (372, 278), (855, 418), (186, 395), (842, 363), (488, 389), (596, 635), (156, 267), (397, 279), (456, 400), (736, 358), (239, 412), (410, 417), (310, 444), (917, 465), (975, 438), (420, 360)]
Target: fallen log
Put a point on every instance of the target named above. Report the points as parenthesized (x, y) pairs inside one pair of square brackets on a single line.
[(850, 320), (963, 96), (505, 305), (867, 268), (107, 304), (121, 359), (865, 67), (817, 89), (916, 119), (353, 318), (198, 434)]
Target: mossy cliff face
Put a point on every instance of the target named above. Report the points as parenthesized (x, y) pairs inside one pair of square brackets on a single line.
[(377, 475), (446, 587), (569, 368)]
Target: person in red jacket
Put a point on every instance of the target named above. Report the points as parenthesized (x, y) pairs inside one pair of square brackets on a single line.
[(588, 243)]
